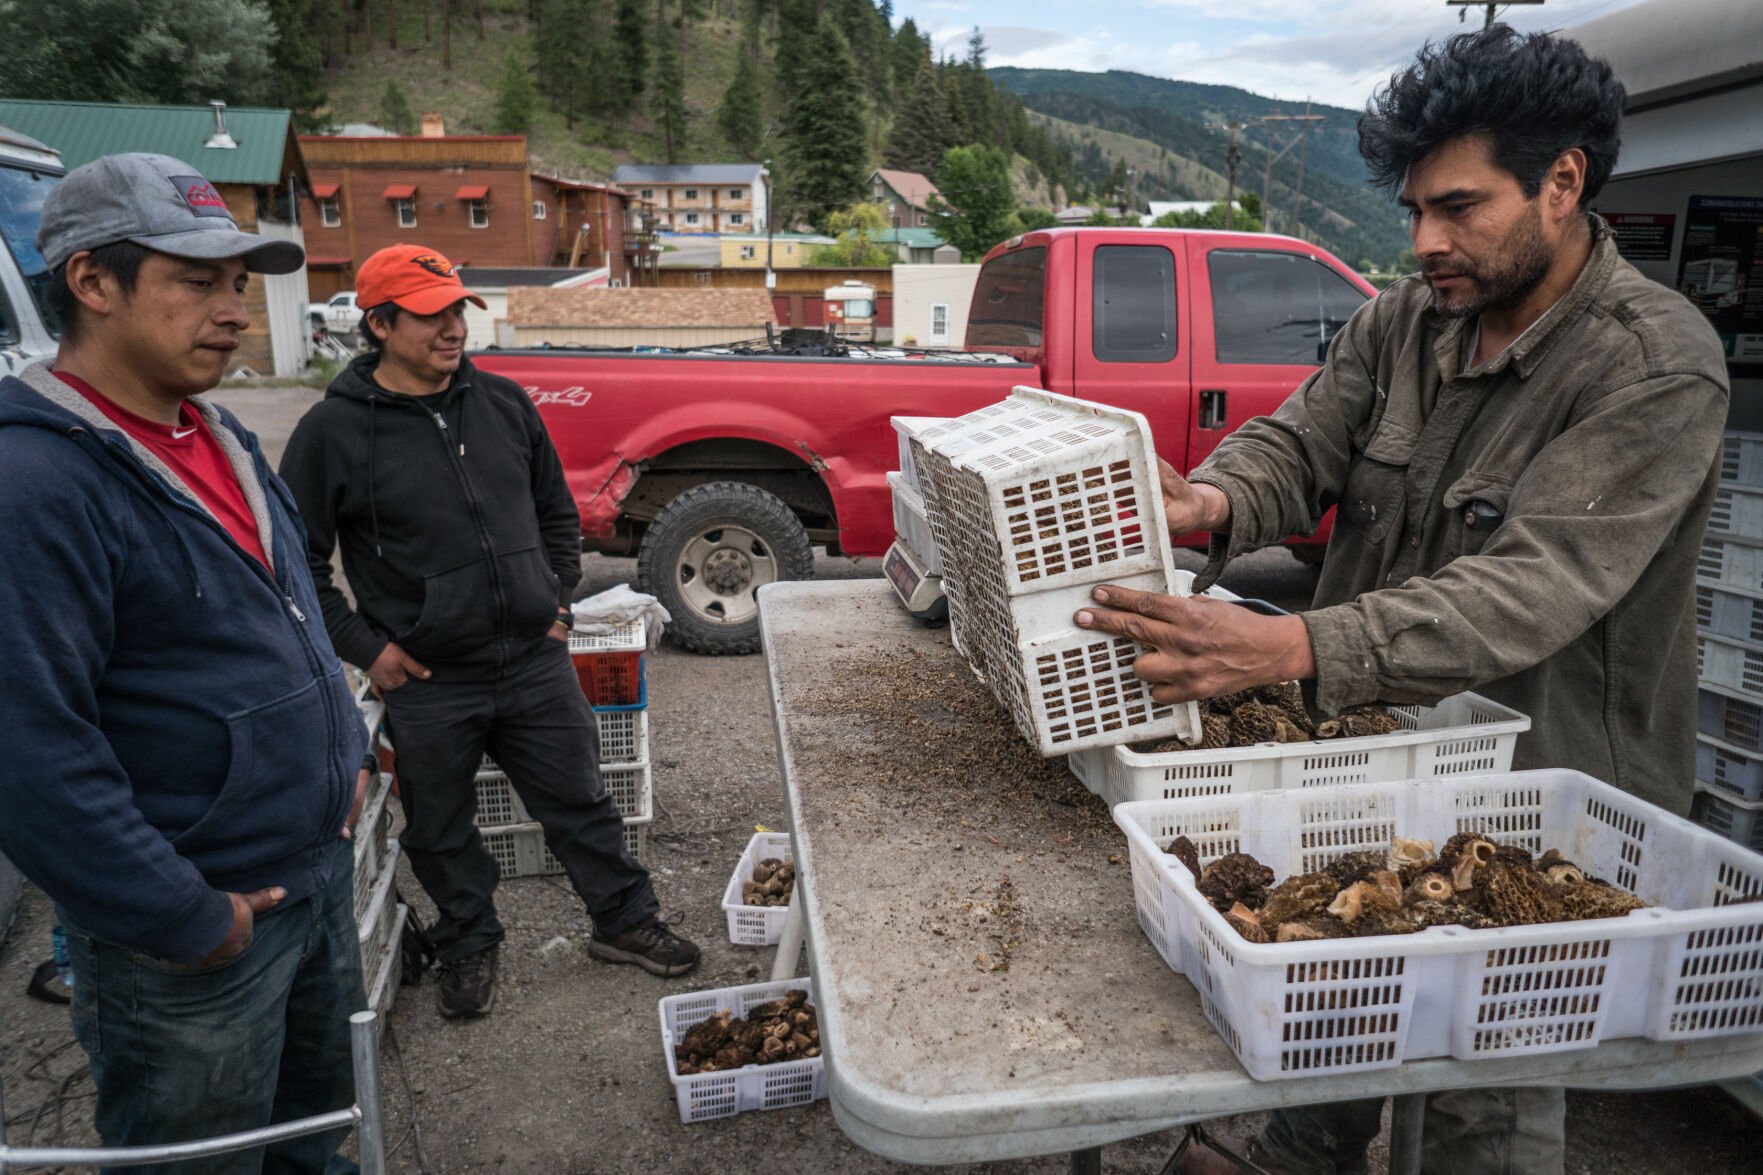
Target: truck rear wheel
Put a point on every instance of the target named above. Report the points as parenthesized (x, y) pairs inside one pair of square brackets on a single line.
[(706, 554)]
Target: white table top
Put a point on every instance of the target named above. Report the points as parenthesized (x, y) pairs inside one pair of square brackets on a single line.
[(933, 1054)]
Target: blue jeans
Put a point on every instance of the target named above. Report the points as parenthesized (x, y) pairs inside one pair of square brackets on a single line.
[(180, 1054)]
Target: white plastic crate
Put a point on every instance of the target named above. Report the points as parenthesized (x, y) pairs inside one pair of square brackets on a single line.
[(520, 849), (624, 736), (1688, 967), (373, 843), (1032, 503), (1464, 734), (1741, 459), (1735, 820), (625, 638), (1737, 510), (382, 989), (377, 933), (1736, 721), (704, 1096), (1724, 561), (631, 786), (1728, 769), (905, 428), (1729, 612), (756, 926), (1732, 665), (912, 523)]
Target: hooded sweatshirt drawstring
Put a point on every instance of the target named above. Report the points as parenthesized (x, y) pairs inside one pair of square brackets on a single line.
[(373, 507)]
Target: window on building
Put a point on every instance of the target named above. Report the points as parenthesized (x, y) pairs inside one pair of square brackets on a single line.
[(330, 213), (748, 252), (1134, 304), (737, 193), (538, 210), (939, 323), (1276, 307), (923, 220), (691, 218), (406, 213), (647, 193), (737, 218), (479, 213)]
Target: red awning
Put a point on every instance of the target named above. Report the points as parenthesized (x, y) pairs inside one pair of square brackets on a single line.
[(399, 191), (324, 191), (472, 192)]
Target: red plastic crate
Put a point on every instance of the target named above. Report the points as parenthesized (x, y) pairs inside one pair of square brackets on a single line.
[(610, 666)]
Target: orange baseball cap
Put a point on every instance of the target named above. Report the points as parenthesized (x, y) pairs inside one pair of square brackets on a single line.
[(417, 279)]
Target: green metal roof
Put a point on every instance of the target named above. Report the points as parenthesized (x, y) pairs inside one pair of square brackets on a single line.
[(912, 238), (82, 131)]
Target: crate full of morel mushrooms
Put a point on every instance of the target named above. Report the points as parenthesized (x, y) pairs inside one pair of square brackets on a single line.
[(753, 1047), (756, 900), (1340, 929)]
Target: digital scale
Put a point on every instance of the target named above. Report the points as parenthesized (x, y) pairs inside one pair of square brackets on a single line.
[(920, 592)]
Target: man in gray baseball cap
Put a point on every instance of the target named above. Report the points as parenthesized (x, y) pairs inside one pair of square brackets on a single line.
[(195, 758)]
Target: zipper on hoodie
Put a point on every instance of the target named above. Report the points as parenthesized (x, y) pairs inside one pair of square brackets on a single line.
[(456, 460)]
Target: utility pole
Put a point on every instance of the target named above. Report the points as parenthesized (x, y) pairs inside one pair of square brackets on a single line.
[(1463, 7), (1232, 156), (1303, 153)]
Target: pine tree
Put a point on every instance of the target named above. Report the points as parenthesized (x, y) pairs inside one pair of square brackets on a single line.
[(395, 112), (823, 129), (559, 34), (629, 31), (516, 99), (296, 69), (667, 98), (742, 117), (922, 130), (906, 52), (977, 90), (604, 77), (955, 96)]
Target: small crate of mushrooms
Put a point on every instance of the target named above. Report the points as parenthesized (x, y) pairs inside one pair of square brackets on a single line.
[(757, 897), (754, 1047), (1341, 929), (1264, 738)]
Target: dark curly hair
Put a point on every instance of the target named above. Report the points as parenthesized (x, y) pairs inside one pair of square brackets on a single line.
[(1535, 96)]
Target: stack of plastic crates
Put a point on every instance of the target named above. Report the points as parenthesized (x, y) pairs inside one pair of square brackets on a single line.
[(1032, 502), (611, 671), (1729, 650), (378, 915)]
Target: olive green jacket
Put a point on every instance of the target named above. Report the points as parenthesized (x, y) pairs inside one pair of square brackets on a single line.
[(1527, 529)]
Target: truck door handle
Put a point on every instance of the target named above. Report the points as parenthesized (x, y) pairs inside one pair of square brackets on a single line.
[(1213, 409)]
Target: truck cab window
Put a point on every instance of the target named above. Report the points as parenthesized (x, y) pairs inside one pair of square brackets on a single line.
[(1007, 300), (1276, 307), (1134, 303), (21, 201)]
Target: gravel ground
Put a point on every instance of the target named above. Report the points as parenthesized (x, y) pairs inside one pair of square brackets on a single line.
[(567, 1075)]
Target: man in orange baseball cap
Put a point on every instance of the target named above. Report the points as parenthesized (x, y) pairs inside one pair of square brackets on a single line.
[(462, 545)]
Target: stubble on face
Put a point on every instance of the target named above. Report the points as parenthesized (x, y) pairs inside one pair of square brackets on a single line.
[(1505, 280)]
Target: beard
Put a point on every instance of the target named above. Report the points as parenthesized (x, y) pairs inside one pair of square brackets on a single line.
[(1517, 268)]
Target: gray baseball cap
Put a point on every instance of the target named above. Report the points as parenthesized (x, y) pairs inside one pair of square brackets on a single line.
[(159, 203)]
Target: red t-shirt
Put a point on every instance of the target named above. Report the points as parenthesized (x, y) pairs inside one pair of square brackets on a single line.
[(194, 454)]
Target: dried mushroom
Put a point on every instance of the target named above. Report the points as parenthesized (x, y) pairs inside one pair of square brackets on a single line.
[(772, 883), (784, 1029)]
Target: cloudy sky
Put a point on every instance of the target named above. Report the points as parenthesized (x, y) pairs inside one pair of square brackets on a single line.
[(1336, 51)]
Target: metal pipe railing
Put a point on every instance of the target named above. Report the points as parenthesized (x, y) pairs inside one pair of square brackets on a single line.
[(364, 1114)]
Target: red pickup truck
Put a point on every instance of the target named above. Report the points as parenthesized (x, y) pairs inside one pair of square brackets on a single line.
[(722, 467)]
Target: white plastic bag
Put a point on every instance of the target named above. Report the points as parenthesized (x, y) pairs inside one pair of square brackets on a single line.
[(618, 606)]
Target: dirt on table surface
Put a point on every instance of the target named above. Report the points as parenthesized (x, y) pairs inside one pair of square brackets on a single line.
[(568, 1075)]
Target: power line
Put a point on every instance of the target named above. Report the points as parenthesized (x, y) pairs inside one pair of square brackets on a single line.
[(1463, 7), (1232, 155)]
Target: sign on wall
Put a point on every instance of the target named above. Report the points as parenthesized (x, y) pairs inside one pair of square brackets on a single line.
[(1722, 270), (1643, 236)]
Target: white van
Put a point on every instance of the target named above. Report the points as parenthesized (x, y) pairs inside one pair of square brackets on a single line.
[(29, 171)]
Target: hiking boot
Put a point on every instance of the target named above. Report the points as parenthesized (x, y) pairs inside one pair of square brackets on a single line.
[(468, 985), (651, 945)]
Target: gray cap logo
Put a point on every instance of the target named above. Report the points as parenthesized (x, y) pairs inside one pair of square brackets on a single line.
[(200, 195)]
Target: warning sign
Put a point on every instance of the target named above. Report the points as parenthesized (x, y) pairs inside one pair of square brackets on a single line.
[(1643, 236)]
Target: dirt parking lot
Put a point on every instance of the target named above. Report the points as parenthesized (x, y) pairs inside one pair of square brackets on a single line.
[(567, 1075)]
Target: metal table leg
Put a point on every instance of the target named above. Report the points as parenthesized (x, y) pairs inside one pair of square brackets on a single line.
[(1407, 1112), (789, 947), (1087, 1161)]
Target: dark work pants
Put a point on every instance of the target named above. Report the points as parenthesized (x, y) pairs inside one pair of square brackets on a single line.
[(536, 723), (181, 1053), (1466, 1132)]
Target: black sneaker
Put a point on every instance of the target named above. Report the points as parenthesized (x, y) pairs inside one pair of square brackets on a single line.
[(651, 945), (468, 985)]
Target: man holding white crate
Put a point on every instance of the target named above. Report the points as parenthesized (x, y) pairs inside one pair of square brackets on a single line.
[(1521, 447)]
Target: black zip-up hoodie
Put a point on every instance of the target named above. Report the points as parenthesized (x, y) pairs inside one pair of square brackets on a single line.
[(459, 535)]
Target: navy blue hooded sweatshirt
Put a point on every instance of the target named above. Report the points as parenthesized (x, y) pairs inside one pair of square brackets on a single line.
[(175, 722)]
